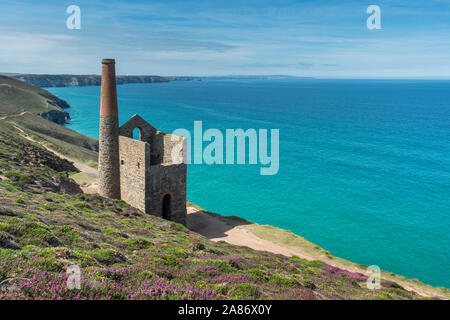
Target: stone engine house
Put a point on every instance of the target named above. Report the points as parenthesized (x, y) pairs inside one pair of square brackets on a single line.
[(148, 173)]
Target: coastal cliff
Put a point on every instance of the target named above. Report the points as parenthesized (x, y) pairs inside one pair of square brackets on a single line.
[(18, 97), (70, 80), (47, 224)]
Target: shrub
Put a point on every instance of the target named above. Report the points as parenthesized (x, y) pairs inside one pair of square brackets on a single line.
[(18, 177), (145, 275), (68, 234), (178, 227), (170, 260), (315, 263), (6, 253), (81, 205), (222, 266), (244, 291), (137, 243), (281, 280), (257, 273), (48, 263), (111, 231), (106, 256)]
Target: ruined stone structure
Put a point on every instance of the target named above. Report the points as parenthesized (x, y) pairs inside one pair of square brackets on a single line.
[(148, 173)]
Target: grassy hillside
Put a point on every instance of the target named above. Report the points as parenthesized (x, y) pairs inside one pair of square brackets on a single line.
[(58, 138), (45, 226), (17, 97), (37, 112)]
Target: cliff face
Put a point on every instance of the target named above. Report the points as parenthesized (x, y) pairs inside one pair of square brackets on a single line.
[(69, 80), (57, 116)]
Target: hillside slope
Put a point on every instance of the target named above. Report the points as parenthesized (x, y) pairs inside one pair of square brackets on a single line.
[(126, 254), (17, 97), (58, 138), (39, 113)]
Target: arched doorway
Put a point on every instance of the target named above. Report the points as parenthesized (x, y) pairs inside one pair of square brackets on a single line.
[(166, 207)]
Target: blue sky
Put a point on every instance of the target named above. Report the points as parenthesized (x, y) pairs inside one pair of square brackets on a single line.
[(326, 39)]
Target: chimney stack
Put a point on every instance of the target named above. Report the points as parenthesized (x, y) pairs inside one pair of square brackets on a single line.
[(108, 103), (109, 167)]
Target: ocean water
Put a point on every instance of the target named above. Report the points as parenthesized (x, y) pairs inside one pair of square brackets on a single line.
[(364, 165)]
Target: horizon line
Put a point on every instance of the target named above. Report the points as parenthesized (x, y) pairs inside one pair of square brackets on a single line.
[(240, 75)]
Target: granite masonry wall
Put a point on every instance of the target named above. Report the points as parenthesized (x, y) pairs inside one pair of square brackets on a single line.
[(168, 180), (134, 158), (162, 146)]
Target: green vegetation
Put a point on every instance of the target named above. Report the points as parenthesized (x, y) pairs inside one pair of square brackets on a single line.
[(36, 113), (17, 96), (58, 138), (126, 254), (82, 178)]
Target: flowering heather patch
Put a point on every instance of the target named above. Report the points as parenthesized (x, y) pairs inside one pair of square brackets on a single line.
[(131, 212), (332, 271), (299, 294), (143, 232), (206, 270), (232, 278), (51, 286)]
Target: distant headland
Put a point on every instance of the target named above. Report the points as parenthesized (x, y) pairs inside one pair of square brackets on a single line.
[(72, 80)]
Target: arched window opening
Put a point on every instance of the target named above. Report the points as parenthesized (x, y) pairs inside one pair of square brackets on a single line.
[(137, 134)]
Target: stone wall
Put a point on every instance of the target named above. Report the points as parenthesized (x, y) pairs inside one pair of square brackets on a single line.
[(148, 172), (134, 158), (168, 179), (162, 146), (146, 130)]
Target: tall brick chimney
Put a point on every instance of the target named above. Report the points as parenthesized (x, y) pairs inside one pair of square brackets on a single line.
[(109, 167)]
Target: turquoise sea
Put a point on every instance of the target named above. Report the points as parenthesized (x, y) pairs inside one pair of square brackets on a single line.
[(364, 164)]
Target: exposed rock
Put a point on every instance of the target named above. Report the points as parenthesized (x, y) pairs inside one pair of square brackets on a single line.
[(59, 117), (55, 242), (7, 242), (6, 212), (39, 156)]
